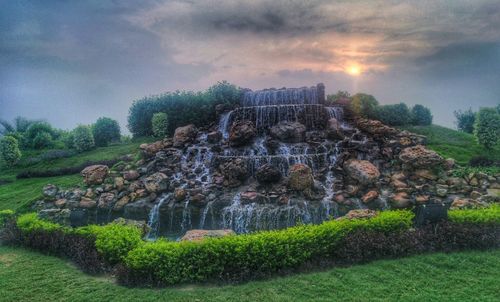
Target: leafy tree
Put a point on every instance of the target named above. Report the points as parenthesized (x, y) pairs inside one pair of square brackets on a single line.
[(160, 124), (341, 94), (105, 130), (83, 138), (22, 124), (42, 140), (68, 139), (465, 120), (364, 105), (37, 129), (421, 115), (394, 115), (9, 150), (224, 93), (487, 127)]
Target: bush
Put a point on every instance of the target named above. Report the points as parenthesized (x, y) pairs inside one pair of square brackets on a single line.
[(105, 131), (182, 108), (83, 138), (160, 124), (483, 161), (66, 170), (465, 120), (9, 150), (421, 115), (487, 127), (4, 216), (364, 105), (394, 115), (40, 135), (490, 215), (68, 139)]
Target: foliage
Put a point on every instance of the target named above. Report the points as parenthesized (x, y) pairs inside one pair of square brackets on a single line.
[(483, 161), (465, 120), (333, 98), (83, 138), (487, 127), (421, 115), (4, 215), (40, 134), (30, 222), (489, 215), (394, 115), (364, 105), (160, 124), (181, 107), (105, 130), (9, 150), (466, 171), (6, 127), (65, 170)]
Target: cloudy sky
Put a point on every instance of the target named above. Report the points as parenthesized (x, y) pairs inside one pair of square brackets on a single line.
[(73, 61)]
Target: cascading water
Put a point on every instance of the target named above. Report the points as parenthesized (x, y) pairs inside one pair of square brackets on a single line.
[(154, 218)]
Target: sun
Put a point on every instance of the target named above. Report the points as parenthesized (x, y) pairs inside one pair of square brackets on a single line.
[(354, 70)]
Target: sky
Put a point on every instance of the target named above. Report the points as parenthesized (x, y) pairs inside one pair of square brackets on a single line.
[(70, 62)]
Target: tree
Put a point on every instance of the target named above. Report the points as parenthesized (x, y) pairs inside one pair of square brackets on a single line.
[(160, 124), (465, 120), (341, 94), (9, 150), (364, 105), (487, 127), (105, 131), (394, 115), (42, 140), (36, 129), (83, 138), (421, 115)]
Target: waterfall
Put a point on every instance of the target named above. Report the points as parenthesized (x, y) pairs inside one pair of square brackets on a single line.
[(335, 112), (203, 217), (154, 218), (224, 123), (304, 95)]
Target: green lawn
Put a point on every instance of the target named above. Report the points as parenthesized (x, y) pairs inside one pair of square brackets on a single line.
[(465, 276), (20, 193), (455, 144)]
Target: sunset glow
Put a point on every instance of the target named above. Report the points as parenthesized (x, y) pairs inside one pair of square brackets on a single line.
[(354, 70)]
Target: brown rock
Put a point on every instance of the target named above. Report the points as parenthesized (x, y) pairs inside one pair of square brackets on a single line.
[(234, 171), (375, 127), (198, 199), (60, 203), (370, 196), (420, 157), (131, 175), (400, 200), (150, 150), (425, 174), (119, 183), (300, 178), (179, 194), (421, 199), (157, 182), (360, 214), (267, 174), (289, 132), (362, 170), (87, 203), (121, 203), (334, 130), (106, 200), (95, 174), (185, 135), (197, 235), (242, 133)]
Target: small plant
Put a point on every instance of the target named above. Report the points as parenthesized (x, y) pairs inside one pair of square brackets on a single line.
[(421, 115), (5, 215), (83, 138), (105, 131), (465, 120), (160, 124), (9, 150), (487, 127)]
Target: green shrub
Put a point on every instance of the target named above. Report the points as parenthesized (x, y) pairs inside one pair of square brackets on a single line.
[(38, 133), (269, 251), (42, 140), (421, 115), (364, 105), (466, 171), (105, 131), (181, 107), (4, 215), (488, 215), (487, 127), (160, 124), (83, 138), (394, 115), (68, 139), (30, 222), (9, 150), (465, 120)]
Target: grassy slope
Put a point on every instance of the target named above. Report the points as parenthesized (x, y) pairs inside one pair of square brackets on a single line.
[(466, 276), (455, 144), (19, 193)]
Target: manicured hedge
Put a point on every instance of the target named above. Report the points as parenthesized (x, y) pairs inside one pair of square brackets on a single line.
[(235, 258)]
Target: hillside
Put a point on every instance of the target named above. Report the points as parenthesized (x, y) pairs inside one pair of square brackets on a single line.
[(455, 144), (16, 194)]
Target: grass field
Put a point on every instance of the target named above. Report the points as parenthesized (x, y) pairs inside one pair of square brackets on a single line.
[(465, 276), (18, 194), (455, 144)]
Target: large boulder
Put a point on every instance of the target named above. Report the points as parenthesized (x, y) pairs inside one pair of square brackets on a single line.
[(267, 174), (197, 235), (375, 127), (157, 182), (242, 133), (234, 171), (106, 200), (289, 132), (131, 175), (359, 214), (362, 170), (185, 135), (300, 178), (150, 150), (95, 174), (420, 157), (334, 129)]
